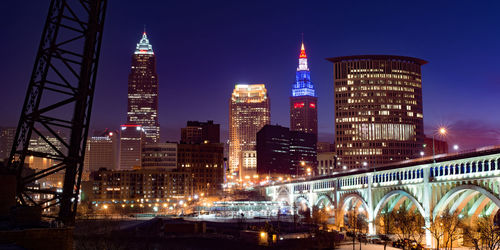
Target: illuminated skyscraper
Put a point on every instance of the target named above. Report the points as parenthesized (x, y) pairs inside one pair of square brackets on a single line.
[(303, 102), (378, 109), (143, 91), (249, 111)]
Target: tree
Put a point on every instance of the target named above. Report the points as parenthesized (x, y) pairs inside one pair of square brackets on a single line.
[(386, 220), (484, 234), (445, 228), (319, 216), (357, 223), (408, 224)]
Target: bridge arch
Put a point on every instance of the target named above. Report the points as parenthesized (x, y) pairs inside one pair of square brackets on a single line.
[(348, 197), (302, 204), (323, 198), (393, 193), (283, 194), (450, 195)]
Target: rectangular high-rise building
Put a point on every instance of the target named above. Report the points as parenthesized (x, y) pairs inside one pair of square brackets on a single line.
[(303, 151), (282, 151), (249, 111), (199, 132), (131, 140), (273, 150), (143, 91), (378, 109), (100, 152)]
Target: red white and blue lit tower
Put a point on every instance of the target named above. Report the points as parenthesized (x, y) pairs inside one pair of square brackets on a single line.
[(303, 102)]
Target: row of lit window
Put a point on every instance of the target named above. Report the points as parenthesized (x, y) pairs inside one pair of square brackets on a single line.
[(395, 76)]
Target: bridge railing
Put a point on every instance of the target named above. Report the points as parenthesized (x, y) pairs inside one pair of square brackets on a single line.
[(456, 169)]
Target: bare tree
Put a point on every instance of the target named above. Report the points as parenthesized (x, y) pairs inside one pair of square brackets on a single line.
[(357, 223), (319, 217), (445, 229), (408, 224), (484, 234)]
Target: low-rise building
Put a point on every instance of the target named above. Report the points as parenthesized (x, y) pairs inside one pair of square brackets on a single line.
[(139, 184), (205, 164), (327, 163), (159, 156)]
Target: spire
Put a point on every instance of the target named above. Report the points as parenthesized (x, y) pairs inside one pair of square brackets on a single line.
[(302, 58), (303, 85), (302, 51), (144, 47)]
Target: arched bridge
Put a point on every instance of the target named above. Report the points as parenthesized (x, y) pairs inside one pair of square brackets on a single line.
[(466, 183)]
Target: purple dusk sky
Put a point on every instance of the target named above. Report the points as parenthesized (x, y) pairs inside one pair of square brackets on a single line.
[(204, 48)]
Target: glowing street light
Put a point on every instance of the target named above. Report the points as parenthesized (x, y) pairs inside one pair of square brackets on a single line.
[(455, 147), (441, 131)]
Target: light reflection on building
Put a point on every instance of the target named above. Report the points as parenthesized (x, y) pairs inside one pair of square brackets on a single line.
[(249, 111)]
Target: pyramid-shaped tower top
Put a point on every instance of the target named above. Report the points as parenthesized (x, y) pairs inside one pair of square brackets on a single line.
[(143, 47), (302, 51)]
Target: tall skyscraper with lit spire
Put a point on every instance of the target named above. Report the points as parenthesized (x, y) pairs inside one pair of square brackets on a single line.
[(143, 91), (303, 102)]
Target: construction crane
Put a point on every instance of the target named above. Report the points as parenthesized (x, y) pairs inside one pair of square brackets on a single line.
[(57, 107)]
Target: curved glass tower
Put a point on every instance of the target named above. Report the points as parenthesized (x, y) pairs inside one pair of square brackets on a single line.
[(378, 109)]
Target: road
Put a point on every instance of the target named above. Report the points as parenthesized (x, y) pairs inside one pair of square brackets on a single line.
[(366, 247)]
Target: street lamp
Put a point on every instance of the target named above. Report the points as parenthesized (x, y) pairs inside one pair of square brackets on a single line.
[(302, 163), (455, 147), (442, 131)]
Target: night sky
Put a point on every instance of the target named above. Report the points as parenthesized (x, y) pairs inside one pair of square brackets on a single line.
[(204, 48)]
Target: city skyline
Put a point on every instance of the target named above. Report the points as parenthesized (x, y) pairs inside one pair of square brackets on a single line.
[(406, 91), (448, 71)]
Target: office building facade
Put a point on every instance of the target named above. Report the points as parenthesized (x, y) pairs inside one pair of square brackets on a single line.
[(249, 111), (327, 163), (159, 156), (7, 136), (378, 109), (440, 146), (131, 140), (130, 185), (273, 150), (205, 164), (281, 151), (199, 132), (100, 152)]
